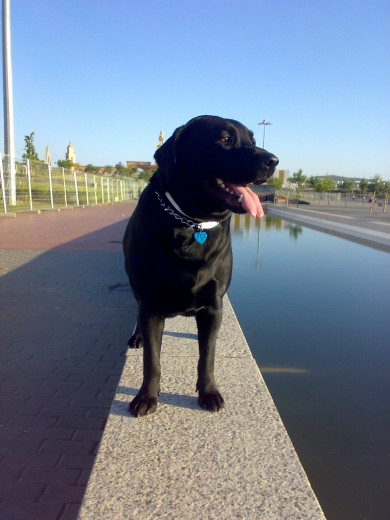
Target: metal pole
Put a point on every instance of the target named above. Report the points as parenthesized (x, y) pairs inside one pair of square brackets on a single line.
[(9, 130), (86, 188), (50, 186), (95, 188), (65, 195), (29, 183), (264, 123), (2, 184), (76, 188)]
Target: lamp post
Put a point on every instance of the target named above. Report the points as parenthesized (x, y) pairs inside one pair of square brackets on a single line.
[(264, 123)]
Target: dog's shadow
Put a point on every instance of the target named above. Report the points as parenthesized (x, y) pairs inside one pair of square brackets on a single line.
[(121, 408), (189, 402), (184, 335)]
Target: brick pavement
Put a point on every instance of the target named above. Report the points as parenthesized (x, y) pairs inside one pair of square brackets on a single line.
[(66, 313)]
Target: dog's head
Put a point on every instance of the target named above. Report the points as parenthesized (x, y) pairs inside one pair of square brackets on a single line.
[(208, 164)]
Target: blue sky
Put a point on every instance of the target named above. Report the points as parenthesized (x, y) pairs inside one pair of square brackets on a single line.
[(107, 75)]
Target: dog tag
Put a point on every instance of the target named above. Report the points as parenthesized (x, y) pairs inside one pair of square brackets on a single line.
[(200, 237)]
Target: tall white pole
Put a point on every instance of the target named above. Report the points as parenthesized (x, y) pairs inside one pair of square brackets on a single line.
[(9, 131)]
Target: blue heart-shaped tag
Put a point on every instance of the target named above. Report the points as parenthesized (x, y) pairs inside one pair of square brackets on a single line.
[(200, 237)]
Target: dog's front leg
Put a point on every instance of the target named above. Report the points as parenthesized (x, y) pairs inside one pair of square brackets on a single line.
[(151, 329), (208, 322)]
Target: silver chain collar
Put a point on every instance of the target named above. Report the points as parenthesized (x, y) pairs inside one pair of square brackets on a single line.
[(186, 221)]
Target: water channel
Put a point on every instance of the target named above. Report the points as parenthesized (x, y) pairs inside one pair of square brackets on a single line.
[(315, 310)]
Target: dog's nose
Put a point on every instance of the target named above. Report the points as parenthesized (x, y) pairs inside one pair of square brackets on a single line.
[(273, 161)]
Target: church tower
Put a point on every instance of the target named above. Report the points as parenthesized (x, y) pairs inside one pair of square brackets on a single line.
[(70, 155), (161, 139)]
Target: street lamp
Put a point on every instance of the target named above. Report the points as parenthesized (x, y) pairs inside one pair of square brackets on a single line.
[(264, 123)]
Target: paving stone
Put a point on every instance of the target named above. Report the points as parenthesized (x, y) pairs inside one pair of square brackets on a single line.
[(33, 460), (71, 446), (28, 510), (63, 493), (49, 433), (20, 490), (51, 476)]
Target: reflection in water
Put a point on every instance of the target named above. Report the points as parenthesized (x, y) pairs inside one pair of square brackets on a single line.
[(283, 370), (295, 230), (244, 226)]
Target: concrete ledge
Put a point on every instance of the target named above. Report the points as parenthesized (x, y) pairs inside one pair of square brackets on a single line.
[(347, 230), (185, 463)]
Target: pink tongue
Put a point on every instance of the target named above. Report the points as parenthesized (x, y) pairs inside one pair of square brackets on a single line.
[(250, 201)]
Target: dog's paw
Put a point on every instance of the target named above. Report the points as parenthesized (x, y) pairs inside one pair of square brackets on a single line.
[(143, 405), (135, 341), (211, 401)]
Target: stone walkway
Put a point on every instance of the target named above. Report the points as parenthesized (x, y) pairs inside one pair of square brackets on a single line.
[(354, 222)]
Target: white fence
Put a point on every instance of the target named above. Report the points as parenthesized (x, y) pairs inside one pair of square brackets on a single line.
[(36, 185)]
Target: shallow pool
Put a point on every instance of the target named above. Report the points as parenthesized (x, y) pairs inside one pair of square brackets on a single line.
[(315, 310)]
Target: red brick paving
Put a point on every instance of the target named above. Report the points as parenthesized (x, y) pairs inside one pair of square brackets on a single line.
[(78, 229), (63, 340)]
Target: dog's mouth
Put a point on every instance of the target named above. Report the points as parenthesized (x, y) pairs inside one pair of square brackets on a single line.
[(237, 198)]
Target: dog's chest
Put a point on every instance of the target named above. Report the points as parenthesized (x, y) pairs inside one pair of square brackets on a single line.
[(197, 245)]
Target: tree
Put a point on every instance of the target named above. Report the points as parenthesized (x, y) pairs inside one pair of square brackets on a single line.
[(300, 182), (316, 184), (329, 184), (386, 193), (90, 168), (67, 165), (377, 186), (276, 184), (374, 187), (30, 152), (322, 185), (146, 175), (346, 187), (363, 186)]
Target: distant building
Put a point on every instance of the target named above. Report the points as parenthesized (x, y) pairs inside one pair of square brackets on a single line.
[(283, 176), (139, 165), (70, 155)]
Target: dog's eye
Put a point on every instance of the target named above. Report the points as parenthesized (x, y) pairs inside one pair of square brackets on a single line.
[(226, 139)]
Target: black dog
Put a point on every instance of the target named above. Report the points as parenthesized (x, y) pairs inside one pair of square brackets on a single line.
[(177, 244)]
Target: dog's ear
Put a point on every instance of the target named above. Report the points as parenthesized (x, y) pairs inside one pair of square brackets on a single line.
[(165, 156)]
